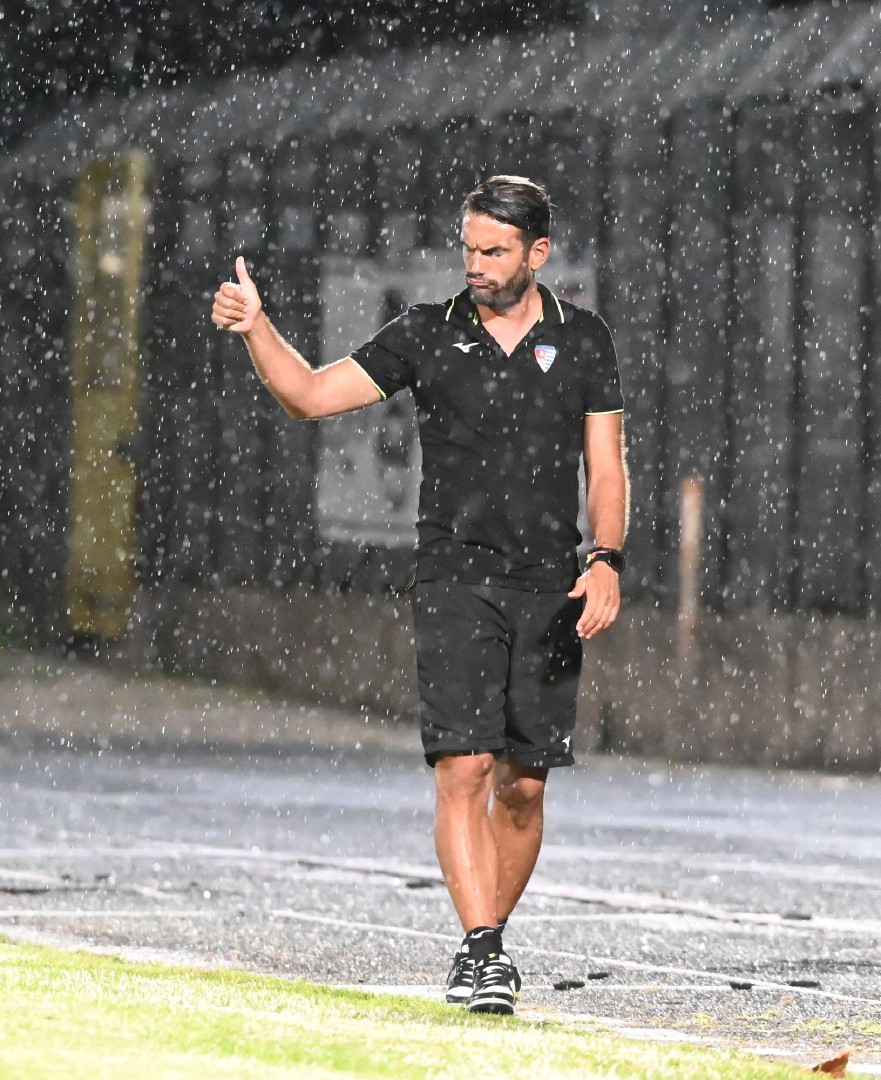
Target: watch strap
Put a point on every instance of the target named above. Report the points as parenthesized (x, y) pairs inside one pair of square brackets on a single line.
[(613, 556)]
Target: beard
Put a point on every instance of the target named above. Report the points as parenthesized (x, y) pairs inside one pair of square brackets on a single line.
[(500, 297)]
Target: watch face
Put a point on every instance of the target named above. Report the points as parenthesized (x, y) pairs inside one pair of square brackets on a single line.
[(614, 558)]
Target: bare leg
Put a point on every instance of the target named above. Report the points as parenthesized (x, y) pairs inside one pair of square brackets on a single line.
[(516, 820), (466, 847)]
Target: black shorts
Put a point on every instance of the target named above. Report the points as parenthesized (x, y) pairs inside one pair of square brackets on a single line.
[(498, 671)]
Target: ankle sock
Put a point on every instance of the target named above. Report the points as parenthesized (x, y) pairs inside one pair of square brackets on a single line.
[(482, 941), (503, 923)]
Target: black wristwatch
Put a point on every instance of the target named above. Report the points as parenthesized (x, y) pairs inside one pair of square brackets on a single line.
[(612, 556)]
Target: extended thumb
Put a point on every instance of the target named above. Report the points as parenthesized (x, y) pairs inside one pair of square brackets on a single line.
[(242, 272)]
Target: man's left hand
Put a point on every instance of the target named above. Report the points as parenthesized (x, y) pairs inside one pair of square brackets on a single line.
[(602, 599)]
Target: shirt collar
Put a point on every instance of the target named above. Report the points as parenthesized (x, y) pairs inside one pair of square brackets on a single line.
[(462, 311)]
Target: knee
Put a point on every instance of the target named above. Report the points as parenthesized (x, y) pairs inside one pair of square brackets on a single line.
[(464, 777), (522, 797)]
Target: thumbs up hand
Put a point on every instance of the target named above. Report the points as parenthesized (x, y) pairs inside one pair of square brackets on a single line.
[(236, 306)]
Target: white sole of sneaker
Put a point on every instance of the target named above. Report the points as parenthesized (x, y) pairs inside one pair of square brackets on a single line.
[(497, 1005)]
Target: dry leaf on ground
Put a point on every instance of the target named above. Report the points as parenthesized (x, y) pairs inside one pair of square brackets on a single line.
[(836, 1066)]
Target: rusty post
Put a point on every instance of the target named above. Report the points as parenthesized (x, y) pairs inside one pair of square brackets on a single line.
[(691, 544)]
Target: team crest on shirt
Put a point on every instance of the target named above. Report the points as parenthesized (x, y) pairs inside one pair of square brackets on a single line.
[(545, 355)]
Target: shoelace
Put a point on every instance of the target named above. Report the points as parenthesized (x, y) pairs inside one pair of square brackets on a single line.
[(464, 965), (495, 971)]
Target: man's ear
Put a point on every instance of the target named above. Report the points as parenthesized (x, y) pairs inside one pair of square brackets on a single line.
[(539, 252)]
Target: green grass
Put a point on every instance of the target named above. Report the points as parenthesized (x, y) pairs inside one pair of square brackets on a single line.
[(69, 1015)]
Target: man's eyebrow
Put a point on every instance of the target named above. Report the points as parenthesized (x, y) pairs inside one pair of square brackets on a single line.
[(484, 251)]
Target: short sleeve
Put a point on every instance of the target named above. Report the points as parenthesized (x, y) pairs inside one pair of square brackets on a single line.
[(387, 359), (602, 385)]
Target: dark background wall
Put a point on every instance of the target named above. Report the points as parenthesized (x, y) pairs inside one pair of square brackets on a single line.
[(716, 173), (716, 169), (51, 50)]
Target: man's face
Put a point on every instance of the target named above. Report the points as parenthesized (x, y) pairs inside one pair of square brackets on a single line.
[(498, 265)]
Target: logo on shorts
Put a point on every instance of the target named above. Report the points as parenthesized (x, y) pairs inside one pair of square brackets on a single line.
[(545, 355)]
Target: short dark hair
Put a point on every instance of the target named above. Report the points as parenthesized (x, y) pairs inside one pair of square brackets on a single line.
[(513, 200)]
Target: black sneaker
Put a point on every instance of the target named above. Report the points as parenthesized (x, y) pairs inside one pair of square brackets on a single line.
[(460, 981), (496, 986)]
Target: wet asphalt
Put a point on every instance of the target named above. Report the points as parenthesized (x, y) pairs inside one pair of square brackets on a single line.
[(725, 905)]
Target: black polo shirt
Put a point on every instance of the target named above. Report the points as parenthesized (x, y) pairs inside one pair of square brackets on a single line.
[(501, 436)]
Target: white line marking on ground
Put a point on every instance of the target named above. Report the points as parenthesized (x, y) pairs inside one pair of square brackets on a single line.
[(620, 900), (90, 913), (145, 890), (598, 961), (31, 876), (11, 882), (817, 873), (688, 922), (603, 985), (328, 920), (855, 844)]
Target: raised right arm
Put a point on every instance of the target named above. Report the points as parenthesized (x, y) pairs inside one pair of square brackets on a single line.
[(303, 392)]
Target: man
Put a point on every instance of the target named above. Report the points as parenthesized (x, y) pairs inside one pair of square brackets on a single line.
[(512, 387)]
